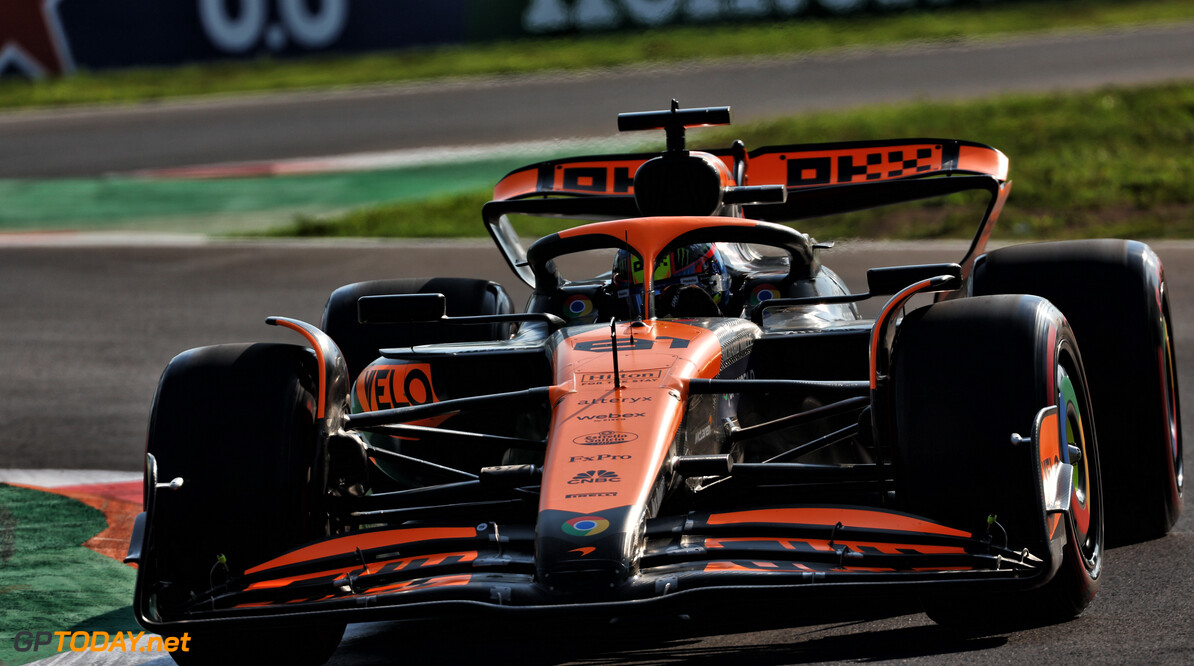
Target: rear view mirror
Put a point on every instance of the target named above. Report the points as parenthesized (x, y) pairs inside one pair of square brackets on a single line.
[(890, 280)]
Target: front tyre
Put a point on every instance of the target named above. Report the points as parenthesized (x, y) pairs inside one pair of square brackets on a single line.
[(237, 423), (966, 375)]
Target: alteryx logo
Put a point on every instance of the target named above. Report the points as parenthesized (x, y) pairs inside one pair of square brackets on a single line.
[(614, 401), (596, 476)]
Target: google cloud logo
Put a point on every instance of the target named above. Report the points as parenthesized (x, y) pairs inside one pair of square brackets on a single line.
[(585, 526)]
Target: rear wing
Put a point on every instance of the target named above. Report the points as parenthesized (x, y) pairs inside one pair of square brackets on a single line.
[(772, 184), (797, 167)]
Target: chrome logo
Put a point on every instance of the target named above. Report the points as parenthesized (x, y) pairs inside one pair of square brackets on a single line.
[(578, 306), (763, 292), (585, 526)]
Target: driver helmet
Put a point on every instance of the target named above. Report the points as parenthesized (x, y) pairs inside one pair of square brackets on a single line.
[(679, 275)]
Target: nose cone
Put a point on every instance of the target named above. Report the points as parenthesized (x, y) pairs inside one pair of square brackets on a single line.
[(604, 466), (607, 450), (583, 552)]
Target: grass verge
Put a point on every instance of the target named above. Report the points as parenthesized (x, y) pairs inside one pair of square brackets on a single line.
[(224, 204), (806, 34), (1114, 162), (48, 580)]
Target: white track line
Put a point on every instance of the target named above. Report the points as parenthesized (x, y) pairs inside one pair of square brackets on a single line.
[(116, 658), (55, 478), (397, 159)]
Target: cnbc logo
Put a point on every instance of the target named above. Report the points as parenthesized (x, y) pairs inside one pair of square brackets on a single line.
[(596, 476)]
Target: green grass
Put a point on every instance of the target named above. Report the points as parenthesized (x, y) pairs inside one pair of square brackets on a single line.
[(591, 50), (48, 580), (1114, 162), (223, 204), (452, 216)]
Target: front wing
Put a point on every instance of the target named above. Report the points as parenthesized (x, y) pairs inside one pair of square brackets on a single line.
[(791, 551)]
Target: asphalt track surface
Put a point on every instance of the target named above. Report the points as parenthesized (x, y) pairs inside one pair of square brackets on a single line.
[(88, 142), (87, 329)]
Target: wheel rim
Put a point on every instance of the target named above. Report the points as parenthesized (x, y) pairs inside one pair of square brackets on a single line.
[(1085, 502), (1172, 425)]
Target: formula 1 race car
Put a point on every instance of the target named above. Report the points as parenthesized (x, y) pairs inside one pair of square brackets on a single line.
[(709, 422)]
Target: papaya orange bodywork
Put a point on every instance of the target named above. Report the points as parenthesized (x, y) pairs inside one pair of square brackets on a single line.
[(832, 515), (370, 568), (366, 540), (624, 433)]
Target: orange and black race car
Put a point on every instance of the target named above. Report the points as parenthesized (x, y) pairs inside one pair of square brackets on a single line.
[(709, 422)]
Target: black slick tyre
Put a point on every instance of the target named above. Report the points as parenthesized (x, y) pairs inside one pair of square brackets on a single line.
[(464, 297), (237, 424), (1114, 295), (965, 375)]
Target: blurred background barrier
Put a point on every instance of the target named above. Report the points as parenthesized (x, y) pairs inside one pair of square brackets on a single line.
[(41, 38)]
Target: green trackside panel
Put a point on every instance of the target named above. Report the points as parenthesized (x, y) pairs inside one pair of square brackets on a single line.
[(492, 20)]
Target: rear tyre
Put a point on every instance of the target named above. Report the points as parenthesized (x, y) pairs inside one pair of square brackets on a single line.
[(1114, 295), (966, 375), (237, 423), (465, 296)]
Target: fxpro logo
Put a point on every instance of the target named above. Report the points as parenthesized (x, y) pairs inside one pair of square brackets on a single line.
[(598, 458), (605, 437), (595, 476)]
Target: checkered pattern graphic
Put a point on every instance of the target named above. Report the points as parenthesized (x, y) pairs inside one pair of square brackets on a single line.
[(854, 166)]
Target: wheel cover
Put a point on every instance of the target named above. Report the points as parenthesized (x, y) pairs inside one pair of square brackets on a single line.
[(1172, 425), (1084, 503)]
